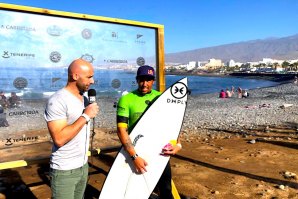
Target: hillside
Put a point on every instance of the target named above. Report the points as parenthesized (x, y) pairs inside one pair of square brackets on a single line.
[(276, 48)]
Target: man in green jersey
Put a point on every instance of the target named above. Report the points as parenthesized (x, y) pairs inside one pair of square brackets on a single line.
[(129, 109)]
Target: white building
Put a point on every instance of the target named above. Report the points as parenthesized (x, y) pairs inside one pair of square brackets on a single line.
[(191, 65), (232, 63)]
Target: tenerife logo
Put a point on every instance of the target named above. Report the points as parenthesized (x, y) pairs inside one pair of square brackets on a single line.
[(7, 54), (86, 33), (10, 141), (179, 90), (87, 57), (55, 56), (54, 30), (136, 139)]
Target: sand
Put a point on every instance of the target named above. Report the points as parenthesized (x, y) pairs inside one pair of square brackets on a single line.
[(232, 148)]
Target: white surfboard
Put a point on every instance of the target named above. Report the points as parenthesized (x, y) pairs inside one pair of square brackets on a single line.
[(160, 124)]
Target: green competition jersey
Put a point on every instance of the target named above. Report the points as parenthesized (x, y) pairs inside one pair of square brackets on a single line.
[(132, 105)]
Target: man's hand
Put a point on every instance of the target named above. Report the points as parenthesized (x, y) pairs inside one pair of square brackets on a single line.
[(140, 165), (91, 110), (169, 149)]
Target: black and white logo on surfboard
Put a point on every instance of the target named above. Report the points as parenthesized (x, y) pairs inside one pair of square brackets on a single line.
[(179, 90)]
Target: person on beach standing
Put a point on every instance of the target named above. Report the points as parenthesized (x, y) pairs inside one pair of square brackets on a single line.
[(68, 115), (129, 109)]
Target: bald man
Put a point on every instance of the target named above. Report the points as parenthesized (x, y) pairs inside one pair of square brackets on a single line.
[(68, 114)]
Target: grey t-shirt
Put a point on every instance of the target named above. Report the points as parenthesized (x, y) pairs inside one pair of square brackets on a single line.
[(64, 105)]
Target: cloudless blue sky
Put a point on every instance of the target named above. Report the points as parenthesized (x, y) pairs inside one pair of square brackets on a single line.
[(193, 24)]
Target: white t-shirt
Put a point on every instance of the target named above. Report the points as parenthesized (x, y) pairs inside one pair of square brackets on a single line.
[(72, 155)]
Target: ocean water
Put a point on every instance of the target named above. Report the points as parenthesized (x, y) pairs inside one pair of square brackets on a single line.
[(41, 82), (203, 85)]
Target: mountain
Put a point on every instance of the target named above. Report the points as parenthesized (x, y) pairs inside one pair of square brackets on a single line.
[(276, 48)]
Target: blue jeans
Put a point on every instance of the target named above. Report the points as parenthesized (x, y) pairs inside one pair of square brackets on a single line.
[(69, 184)]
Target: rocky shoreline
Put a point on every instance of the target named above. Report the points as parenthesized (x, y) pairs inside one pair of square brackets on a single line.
[(265, 107)]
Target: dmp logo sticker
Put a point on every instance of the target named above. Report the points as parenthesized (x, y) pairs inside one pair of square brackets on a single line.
[(179, 90)]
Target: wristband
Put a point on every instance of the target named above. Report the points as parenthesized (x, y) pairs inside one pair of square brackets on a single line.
[(133, 157), (179, 145), (87, 118)]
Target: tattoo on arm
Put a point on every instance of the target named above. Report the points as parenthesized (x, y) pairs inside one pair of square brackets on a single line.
[(127, 144)]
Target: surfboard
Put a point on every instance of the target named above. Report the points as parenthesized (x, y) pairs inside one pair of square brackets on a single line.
[(160, 124)]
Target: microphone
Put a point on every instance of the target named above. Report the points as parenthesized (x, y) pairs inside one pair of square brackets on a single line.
[(91, 96), (92, 99)]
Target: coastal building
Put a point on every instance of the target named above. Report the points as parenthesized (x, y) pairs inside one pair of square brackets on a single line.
[(214, 64), (232, 63), (269, 61), (191, 65), (201, 64)]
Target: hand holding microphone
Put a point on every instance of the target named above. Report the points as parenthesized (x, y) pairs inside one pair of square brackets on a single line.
[(92, 109)]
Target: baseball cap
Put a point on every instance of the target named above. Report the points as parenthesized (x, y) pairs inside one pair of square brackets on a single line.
[(146, 71)]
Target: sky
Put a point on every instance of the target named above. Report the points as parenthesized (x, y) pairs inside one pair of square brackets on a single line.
[(193, 24)]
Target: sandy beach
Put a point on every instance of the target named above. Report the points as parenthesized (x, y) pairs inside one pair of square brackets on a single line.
[(232, 148)]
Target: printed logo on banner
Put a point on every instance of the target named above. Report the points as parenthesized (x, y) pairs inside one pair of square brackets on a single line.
[(114, 37), (20, 83), (139, 39), (54, 30), (7, 54), (55, 56), (116, 83), (86, 33), (116, 61), (23, 113), (140, 61), (114, 34), (87, 57), (11, 141), (55, 83), (18, 28)]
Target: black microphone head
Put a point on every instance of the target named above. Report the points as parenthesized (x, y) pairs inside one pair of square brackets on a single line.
[(92, 95)]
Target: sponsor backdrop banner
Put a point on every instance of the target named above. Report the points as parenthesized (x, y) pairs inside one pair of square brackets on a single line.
[(35, 53)]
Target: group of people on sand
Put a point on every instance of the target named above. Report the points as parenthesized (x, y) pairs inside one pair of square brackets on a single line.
[(68, 114), (12, 102), (241, 93)]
